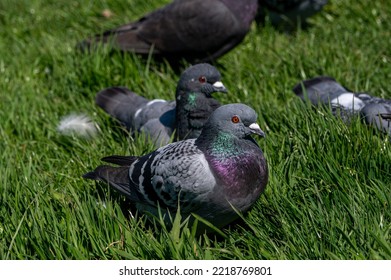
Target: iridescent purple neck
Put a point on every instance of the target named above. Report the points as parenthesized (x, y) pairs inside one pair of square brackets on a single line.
[(244, 176), (230, 170)]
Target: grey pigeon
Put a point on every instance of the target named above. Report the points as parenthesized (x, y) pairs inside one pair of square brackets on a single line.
[(324, 90), (220, 172), (195, 30), (158, 118), (291, 12), (378, 115)]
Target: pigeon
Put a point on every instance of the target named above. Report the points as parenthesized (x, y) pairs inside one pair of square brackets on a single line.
[(158, 118), (292, 12), (378, 115), (213, 176), (194, 30), (324, 90)]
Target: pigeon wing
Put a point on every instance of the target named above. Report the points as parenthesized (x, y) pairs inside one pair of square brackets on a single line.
[(178, 172), (197, 27)]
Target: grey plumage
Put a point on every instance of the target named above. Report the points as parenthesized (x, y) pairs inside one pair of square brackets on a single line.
[(157, 118), (322, 89), (291, 12), (195, 30), (208, 176), (343, 102), (378, 115)]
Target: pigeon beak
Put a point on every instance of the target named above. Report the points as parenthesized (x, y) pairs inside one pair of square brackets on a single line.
[(219, 86), (254, 128)]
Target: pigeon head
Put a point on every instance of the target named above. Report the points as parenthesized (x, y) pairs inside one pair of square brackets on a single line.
[(379, 115), (200, 78), (227, 130), (194, 100), (235, 119)]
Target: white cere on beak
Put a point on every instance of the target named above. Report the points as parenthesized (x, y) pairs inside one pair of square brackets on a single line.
[(348, 101), (254, 126), (218, 84)]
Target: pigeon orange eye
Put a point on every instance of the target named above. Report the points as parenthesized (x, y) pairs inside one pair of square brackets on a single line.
[(235, 119), (202, 79)]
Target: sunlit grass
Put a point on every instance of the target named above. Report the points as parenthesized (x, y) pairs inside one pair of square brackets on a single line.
[(328, 195)]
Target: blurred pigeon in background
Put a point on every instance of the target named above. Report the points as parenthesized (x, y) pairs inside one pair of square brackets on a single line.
[(195, 30), (213, 176), (289, 12), (159, 118), (377, 112), (327, 91)]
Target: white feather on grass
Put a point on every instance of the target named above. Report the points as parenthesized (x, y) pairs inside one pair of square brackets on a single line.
[(78, 125)]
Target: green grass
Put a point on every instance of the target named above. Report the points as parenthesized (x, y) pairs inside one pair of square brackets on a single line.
[(329, 191)]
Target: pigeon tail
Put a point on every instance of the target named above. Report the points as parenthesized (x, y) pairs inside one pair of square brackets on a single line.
[(125, 38), (116, 177), (298, 88), (120, 160), (320, 90), (121, 103)]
